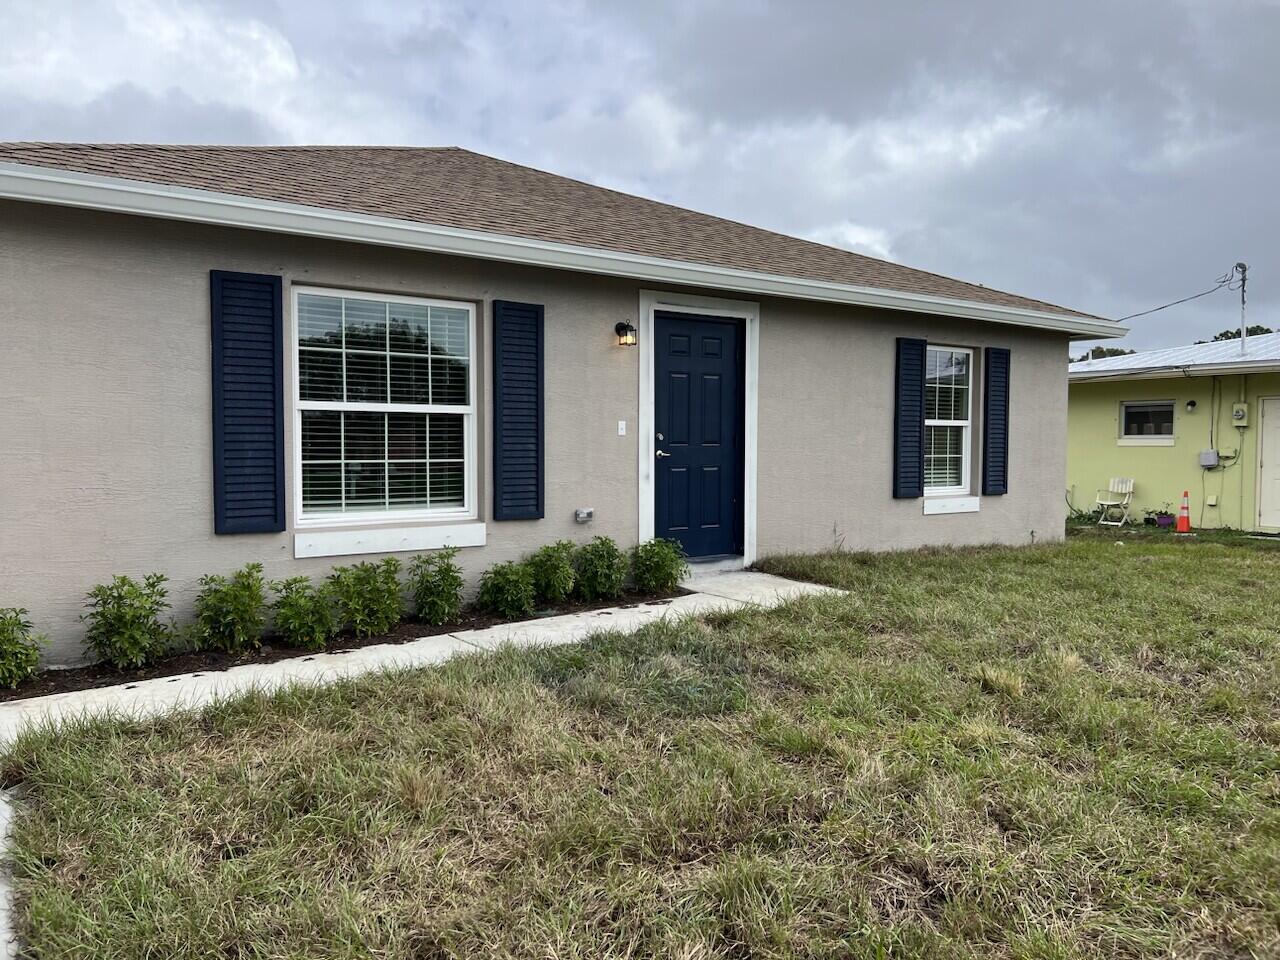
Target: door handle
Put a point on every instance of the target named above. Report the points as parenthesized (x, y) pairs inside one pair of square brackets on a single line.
[(661, 453)]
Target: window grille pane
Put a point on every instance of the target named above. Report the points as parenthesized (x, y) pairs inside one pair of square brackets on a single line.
[(946, 395), (448, 381), (366, 377), (410, 379), (1148, 419), (365, 486), (446, 436), (385, 351), (410, 329), (319, 321), (408, 485), (365, 325), (945, 441), (418, 456), (943, 472), (322, 486), (321, 435), (407, 437), (947, 403), (449, 331), (319, 375), (944, 457), (446, 485), (364, 436)]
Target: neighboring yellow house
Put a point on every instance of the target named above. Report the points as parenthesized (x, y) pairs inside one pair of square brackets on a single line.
[(1203, 418)]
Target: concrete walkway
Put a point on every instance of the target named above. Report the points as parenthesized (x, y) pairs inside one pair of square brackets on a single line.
[(708, 592)]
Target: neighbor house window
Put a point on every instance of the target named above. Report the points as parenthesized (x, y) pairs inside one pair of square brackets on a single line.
[(1149, 419), (385, 406), (947, 405)]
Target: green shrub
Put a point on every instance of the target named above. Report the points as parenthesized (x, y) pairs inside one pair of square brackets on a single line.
[(303, 613), (231, 612), (601, 570), (368, 596), (124, 620), (435, 581), (552, 569), (506, 589), (658, 566), (19, 648)]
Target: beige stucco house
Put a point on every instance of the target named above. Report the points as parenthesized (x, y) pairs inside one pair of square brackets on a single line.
[(305, 356)]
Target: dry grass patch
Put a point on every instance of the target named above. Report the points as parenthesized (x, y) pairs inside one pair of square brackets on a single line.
[(969, 755)]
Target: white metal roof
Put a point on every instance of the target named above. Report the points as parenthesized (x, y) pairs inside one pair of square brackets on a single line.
[(1224, 356)]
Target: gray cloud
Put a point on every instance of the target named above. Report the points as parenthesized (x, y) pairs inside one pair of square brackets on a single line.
[(1105, 156), (128, 114)]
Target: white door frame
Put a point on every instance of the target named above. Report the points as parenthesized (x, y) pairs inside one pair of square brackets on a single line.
[(652, 301), (1258, 455)]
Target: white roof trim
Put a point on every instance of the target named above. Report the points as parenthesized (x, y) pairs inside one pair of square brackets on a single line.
[(1161, 373), (119, 195)]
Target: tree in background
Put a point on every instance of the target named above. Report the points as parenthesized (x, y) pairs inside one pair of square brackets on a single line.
[(1256, 330), (1097, 353)]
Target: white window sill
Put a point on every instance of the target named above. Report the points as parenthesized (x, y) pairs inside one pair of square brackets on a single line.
[(406, 518), (384, 539), (1145, 441), (934, 505)]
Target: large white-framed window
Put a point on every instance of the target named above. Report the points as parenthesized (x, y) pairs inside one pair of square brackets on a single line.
[(384, 407), (948, 413)]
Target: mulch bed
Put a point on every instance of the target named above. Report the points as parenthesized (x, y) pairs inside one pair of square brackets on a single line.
[(212, 661)]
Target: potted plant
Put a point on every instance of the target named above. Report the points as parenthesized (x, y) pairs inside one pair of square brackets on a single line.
[(1160, 518)]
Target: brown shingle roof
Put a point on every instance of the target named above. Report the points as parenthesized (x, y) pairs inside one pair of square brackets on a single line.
[(449, 186)]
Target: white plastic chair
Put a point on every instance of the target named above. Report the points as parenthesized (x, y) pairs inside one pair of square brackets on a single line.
[(1115, 502)]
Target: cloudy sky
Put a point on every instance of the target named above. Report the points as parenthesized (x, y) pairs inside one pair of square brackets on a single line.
[(1108, 156)]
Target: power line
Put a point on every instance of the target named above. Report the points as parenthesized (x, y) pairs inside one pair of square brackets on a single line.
[(1227, 279)]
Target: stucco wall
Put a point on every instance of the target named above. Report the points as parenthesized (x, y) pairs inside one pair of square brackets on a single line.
[(1163, 472), (105, 410), (826, 433)]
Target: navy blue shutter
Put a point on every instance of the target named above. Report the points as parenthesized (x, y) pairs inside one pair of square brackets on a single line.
[(517, 411), (995, 423), (908, 420), (248, 402)]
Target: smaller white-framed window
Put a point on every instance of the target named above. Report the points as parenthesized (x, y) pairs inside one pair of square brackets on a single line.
[(948, 420), (384, 402), (1146, 423)]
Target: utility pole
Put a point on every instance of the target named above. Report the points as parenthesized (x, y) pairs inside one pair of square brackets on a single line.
[(1244, 329)]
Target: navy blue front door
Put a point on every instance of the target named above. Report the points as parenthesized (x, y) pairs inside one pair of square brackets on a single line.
[(699, 426)]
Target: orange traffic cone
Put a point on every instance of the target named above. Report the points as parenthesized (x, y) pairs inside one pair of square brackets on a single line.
[(1184, 513)]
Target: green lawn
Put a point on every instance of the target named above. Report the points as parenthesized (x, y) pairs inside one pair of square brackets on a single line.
[(1058, 751)]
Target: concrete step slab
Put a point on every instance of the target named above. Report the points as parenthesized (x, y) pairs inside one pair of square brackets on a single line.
[(748, 586)]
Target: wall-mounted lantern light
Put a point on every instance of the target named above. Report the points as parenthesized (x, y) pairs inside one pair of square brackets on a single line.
[(1191, 405), (626, 334)]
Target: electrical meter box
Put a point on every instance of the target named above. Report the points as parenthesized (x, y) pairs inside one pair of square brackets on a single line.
[(1239, 414)]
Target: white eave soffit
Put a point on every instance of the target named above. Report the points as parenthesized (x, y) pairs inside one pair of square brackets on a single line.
[(118, 195)]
